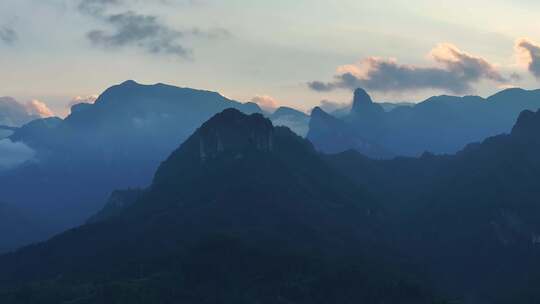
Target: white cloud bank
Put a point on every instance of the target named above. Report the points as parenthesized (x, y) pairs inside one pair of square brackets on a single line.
[(13, 154)]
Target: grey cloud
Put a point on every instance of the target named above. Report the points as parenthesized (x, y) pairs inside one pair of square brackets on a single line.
[(8, 35), (533, 51), (13, 113), (143, 31), (146, 32), (457, 71), (13, 154), (96, 7)]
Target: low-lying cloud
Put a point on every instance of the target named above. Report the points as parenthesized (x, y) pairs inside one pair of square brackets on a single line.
[(531, 50), (14, 113), (267, 103), (13, 154), (90, 99), (96, 7), (456, 71), (38, 108)]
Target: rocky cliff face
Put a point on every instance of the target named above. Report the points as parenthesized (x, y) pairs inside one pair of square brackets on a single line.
[(232, 132)]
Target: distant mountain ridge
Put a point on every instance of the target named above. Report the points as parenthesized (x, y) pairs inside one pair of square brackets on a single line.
[(295, 120), (115, 143), (333, 135), (440, 124)]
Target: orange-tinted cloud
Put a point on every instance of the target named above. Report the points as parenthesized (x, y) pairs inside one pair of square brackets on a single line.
[(266, 102), (38, 108), (82, 99)]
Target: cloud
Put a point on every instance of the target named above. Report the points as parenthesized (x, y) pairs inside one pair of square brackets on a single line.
[(99, 6), (13, 154), (143, 31), (8, 35), (96, 7), (531, 55), (146, 32), (82, 99), (14, 113), (266, 102), (455, 72), (38, 108)]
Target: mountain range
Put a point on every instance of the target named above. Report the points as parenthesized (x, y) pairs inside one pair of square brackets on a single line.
[(247, 212), (117, 142), (410, 203), (471, 217), (440, 124), (241, 212)]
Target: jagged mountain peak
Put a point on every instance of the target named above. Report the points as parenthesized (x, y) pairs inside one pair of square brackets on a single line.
[(317, 111), (234, 139), (363, 104), (231, 130), (361, 96), (527, 124), (320, 118)]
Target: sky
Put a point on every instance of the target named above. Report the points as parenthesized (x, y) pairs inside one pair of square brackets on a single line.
[(281, 52)]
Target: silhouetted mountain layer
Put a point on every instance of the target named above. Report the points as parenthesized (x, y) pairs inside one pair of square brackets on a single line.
[(118, 142), (441, 124), (242, 212), (333, 135), (470, 218), (245, 212)]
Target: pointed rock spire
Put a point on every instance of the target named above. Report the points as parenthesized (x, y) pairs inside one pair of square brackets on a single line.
[(361, 100), (364, 107)]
